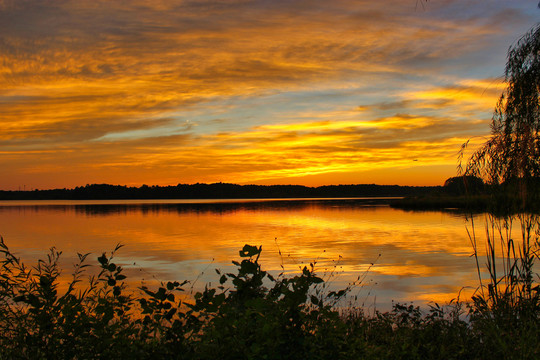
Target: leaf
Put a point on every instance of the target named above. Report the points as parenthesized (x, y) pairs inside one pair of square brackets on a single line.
[(249, 267), (249, 251), (103, 259), (19, 298), (220, 298), (161, 294), (147, 291), (170, 314)]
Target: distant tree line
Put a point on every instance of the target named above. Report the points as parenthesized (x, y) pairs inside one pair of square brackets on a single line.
[(216, 191), (464, 185)]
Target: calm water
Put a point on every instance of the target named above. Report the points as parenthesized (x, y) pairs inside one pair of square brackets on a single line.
[(417, 256)]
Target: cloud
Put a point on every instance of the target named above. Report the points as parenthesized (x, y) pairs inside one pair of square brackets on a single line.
[(94, 80), (480, 95)]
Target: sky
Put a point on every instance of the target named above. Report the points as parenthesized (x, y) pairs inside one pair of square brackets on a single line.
[(310, 92)]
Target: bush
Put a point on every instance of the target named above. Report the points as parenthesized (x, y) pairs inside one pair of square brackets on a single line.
[(250, 315)]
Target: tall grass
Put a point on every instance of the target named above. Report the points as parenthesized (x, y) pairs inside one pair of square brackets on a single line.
[(506, 307)]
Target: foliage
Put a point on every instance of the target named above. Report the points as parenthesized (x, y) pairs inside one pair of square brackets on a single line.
[(510, 158), (505, 310), (506, 307), (464, 185), (250, 315)]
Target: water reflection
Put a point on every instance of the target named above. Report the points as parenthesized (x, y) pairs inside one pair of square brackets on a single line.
[(418, 256), (115, 207)]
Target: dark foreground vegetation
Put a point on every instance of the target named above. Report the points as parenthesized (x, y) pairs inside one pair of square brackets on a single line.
[(250, 315)]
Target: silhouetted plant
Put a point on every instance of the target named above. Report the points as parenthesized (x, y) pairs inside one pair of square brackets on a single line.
[(506, 307), (509, 161), (249, 315)]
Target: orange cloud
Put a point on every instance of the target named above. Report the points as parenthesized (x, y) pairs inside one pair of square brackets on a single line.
[(167, 90)]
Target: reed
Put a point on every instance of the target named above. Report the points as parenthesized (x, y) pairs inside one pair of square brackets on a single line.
[(505, 310), (506, 307)]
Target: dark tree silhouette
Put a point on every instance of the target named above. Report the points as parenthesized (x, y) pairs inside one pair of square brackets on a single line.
[(464, 185), (513, 150)]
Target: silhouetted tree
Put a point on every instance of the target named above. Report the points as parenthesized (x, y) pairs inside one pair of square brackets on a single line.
[(510, 159), (464, 185)]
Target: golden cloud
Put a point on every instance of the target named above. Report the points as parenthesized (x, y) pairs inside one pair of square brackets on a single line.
[(94, 86)]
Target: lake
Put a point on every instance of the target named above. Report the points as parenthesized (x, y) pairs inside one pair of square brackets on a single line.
[(416, 256)]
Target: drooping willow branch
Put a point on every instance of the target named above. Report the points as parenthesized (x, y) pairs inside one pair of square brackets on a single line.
[(512, 153)]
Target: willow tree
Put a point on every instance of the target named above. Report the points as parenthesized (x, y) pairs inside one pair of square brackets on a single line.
[(509, 162), (510, 159)]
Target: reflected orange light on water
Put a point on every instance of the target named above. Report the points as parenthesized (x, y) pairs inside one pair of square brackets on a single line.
[(420, 256)]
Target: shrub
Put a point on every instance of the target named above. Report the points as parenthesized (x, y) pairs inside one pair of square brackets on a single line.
[(250, 315)]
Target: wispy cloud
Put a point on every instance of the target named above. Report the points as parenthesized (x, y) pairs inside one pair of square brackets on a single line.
[(103, 84)]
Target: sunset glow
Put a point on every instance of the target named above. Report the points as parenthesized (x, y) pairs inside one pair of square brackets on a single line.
[(248, 92), (400, 255)]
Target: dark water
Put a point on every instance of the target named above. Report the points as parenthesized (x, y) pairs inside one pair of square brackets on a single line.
[(417, 256)]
